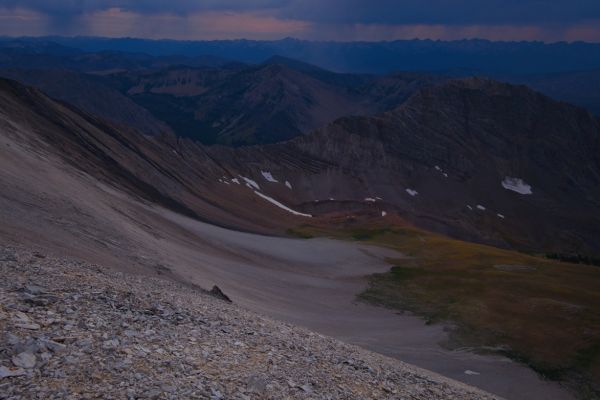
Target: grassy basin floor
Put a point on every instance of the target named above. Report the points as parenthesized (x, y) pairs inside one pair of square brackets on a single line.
[(541, 312)]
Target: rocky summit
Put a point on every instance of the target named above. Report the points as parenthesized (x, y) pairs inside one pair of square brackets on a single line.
[(75, 331)]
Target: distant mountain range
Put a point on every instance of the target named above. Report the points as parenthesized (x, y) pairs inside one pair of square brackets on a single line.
[(41, 54), (213, 102), (217, 100), (369, 57)]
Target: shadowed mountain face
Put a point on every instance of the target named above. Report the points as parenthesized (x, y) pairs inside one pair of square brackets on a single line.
[(219, 102), (266, 104), (472, 158), (458, 144), (177, 174), (270, 103)]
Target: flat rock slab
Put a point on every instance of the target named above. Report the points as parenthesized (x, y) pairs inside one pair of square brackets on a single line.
[(514, 268)]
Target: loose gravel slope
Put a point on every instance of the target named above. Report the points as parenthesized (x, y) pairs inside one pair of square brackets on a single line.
[(72, 330)]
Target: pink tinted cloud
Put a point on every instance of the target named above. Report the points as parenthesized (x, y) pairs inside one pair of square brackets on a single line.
[(206, 25), (20, 21), (589, 31), (373, 32)]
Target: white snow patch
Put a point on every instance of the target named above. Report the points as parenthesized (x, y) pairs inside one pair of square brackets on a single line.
[(268, 176), (378, 198), (282, 206), (469, 207), (370, 199), (412, 192), (437, 168), (480, 207), (383, 213), (500, 216), (288, 184), (236, 181), (250, 183), (331, 199), (516, 185), (469, 372)]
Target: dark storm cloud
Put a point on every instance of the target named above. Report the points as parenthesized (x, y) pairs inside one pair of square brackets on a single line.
[(547, 20), (76, 7), (64, 16), (348, 11), (444, 11)]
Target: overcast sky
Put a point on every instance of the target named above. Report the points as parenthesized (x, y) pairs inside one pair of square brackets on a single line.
[(549, 20)]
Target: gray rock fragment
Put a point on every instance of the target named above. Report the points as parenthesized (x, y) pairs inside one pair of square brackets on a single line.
[(24, 360), (6, 372)]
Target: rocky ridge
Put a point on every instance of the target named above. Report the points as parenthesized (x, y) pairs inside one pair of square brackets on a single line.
[(441, 161), (73, 330)]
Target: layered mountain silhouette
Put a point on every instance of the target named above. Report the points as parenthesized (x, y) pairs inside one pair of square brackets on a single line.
[(268, 103), (218, 101), (369, 57), (42, 54)]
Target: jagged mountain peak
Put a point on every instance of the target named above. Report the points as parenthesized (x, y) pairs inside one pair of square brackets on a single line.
[(458, 143)]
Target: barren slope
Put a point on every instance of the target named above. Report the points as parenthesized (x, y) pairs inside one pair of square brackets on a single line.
[(66, 323), (90, 94)]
